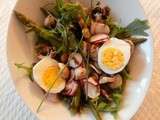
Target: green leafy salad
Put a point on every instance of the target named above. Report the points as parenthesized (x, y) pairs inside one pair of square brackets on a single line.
[(82, 55)]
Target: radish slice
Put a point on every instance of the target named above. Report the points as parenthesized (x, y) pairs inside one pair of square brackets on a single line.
[(104, 80), (93, 91), (99, 38), (98, 28)]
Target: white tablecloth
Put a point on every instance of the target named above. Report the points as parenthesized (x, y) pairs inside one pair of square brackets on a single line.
[(11, 105)]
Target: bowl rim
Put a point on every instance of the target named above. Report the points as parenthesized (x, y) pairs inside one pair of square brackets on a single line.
[(11, 78)]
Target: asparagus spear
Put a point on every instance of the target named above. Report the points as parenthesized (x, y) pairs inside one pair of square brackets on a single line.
[(45, 34), (94, 111)]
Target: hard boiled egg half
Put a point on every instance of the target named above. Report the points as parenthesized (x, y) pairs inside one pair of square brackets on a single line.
[(114, 55), (46, 74)]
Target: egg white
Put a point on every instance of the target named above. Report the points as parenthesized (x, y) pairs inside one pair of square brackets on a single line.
[(121, 45), (38, 71)]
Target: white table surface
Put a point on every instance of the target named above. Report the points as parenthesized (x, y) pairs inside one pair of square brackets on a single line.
[(11, 105)]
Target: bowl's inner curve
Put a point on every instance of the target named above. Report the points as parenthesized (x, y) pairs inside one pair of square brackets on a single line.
[(20, 50)]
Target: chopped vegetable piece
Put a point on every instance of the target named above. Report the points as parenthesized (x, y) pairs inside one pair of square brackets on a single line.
[(94, 111)]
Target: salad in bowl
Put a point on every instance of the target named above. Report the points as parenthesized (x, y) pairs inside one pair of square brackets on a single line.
[(82, 55)]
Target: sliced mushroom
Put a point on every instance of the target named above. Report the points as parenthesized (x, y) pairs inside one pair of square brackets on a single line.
[(71, 88), (65, 71), (80, 73), (50, 22), (99, 38), (99, 28), (106, 79), (91, 90), (98, 13), (75, 60), (117, 81), (98, 17)]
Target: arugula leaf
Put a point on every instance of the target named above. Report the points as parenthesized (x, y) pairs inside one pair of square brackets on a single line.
[(111, 107), (116, 30), (27, 69), (138, 27), (49, 35), (67, 12), (117, 97), (119, 32), (69, 40)]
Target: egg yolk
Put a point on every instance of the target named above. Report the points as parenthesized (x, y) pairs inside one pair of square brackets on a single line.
[(50, 77), (113, 58)]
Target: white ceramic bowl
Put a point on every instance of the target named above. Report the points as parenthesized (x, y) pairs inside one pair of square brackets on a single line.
[(20, 50)]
